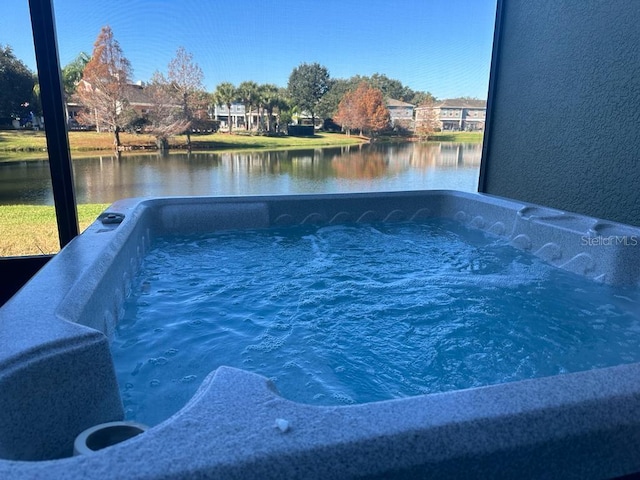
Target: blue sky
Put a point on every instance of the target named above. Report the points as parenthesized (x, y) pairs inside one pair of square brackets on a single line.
[(440, 46)]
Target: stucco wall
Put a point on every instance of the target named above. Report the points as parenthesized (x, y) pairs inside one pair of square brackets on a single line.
[(565, 118)]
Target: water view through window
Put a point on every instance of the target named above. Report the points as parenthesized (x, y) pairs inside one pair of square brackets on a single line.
[(378, 167), (244, 98)]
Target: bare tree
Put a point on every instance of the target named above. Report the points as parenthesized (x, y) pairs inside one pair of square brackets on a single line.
[(185, 79), (166, 117), (104, 84), (426, 119)]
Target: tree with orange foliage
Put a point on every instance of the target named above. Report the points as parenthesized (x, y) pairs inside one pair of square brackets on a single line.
[(104, 86), (346, 115), (363, 109)]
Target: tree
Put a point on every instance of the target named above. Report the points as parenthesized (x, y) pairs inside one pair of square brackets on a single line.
[(270, 99), (426, 119), (226, 94), (248, 94), (286, 111), (363, 109), (105, 83), (72, 73), (308, 83), (166, 117), (390, 88), (422, 97), (328, 105), (16, 84), (347, 114), (376, 111), (185, 80), (35, 106)]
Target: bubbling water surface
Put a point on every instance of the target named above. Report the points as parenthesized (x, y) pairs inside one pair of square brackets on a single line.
[(358, 313)]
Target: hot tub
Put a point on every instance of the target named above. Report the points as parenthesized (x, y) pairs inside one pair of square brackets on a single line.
[(57, 378)]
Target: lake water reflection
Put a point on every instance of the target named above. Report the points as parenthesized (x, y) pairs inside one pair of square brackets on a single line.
[(366, 168)]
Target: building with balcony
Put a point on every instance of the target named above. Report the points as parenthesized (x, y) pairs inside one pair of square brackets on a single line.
[(461, 115), (400, 113)]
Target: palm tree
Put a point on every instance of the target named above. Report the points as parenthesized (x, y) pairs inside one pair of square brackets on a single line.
[(248, 94), (270, 99), (72, 73), (226, 94)]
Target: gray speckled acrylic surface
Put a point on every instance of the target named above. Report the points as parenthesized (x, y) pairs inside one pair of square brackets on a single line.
[(565, 114), (56, 376)]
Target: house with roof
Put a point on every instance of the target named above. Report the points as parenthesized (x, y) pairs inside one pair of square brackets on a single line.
[(222, 114), (240, 119), (138, 98), (400, 113), (455, 114), (135, 93)]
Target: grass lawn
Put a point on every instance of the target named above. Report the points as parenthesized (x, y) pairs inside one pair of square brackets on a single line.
[(226, 141), (32, 230), (462, 137), (22, 145), (17, 142)]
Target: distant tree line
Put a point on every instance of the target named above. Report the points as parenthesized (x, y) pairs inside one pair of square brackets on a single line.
[(19, 92), (178, 102)]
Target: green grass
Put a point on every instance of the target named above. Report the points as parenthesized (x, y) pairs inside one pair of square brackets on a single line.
[(32, 141), (32, 230), (243, 141), (25, 145), (462, 137), (28, 144), (19, 141)]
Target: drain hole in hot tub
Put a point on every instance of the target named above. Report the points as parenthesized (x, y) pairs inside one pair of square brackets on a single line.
[(106, 435)]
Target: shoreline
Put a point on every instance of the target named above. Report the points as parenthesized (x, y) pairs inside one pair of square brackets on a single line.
[(29, 142), (19, 145)]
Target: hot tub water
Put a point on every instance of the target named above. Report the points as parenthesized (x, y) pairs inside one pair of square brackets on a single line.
[(359, 313)]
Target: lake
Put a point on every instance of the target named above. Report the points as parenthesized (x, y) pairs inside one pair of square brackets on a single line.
[(359, 168)]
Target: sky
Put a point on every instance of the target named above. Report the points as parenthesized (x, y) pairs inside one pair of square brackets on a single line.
[(439, 46)]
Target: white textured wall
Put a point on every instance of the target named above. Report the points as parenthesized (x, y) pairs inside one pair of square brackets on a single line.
[(566, 113)]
